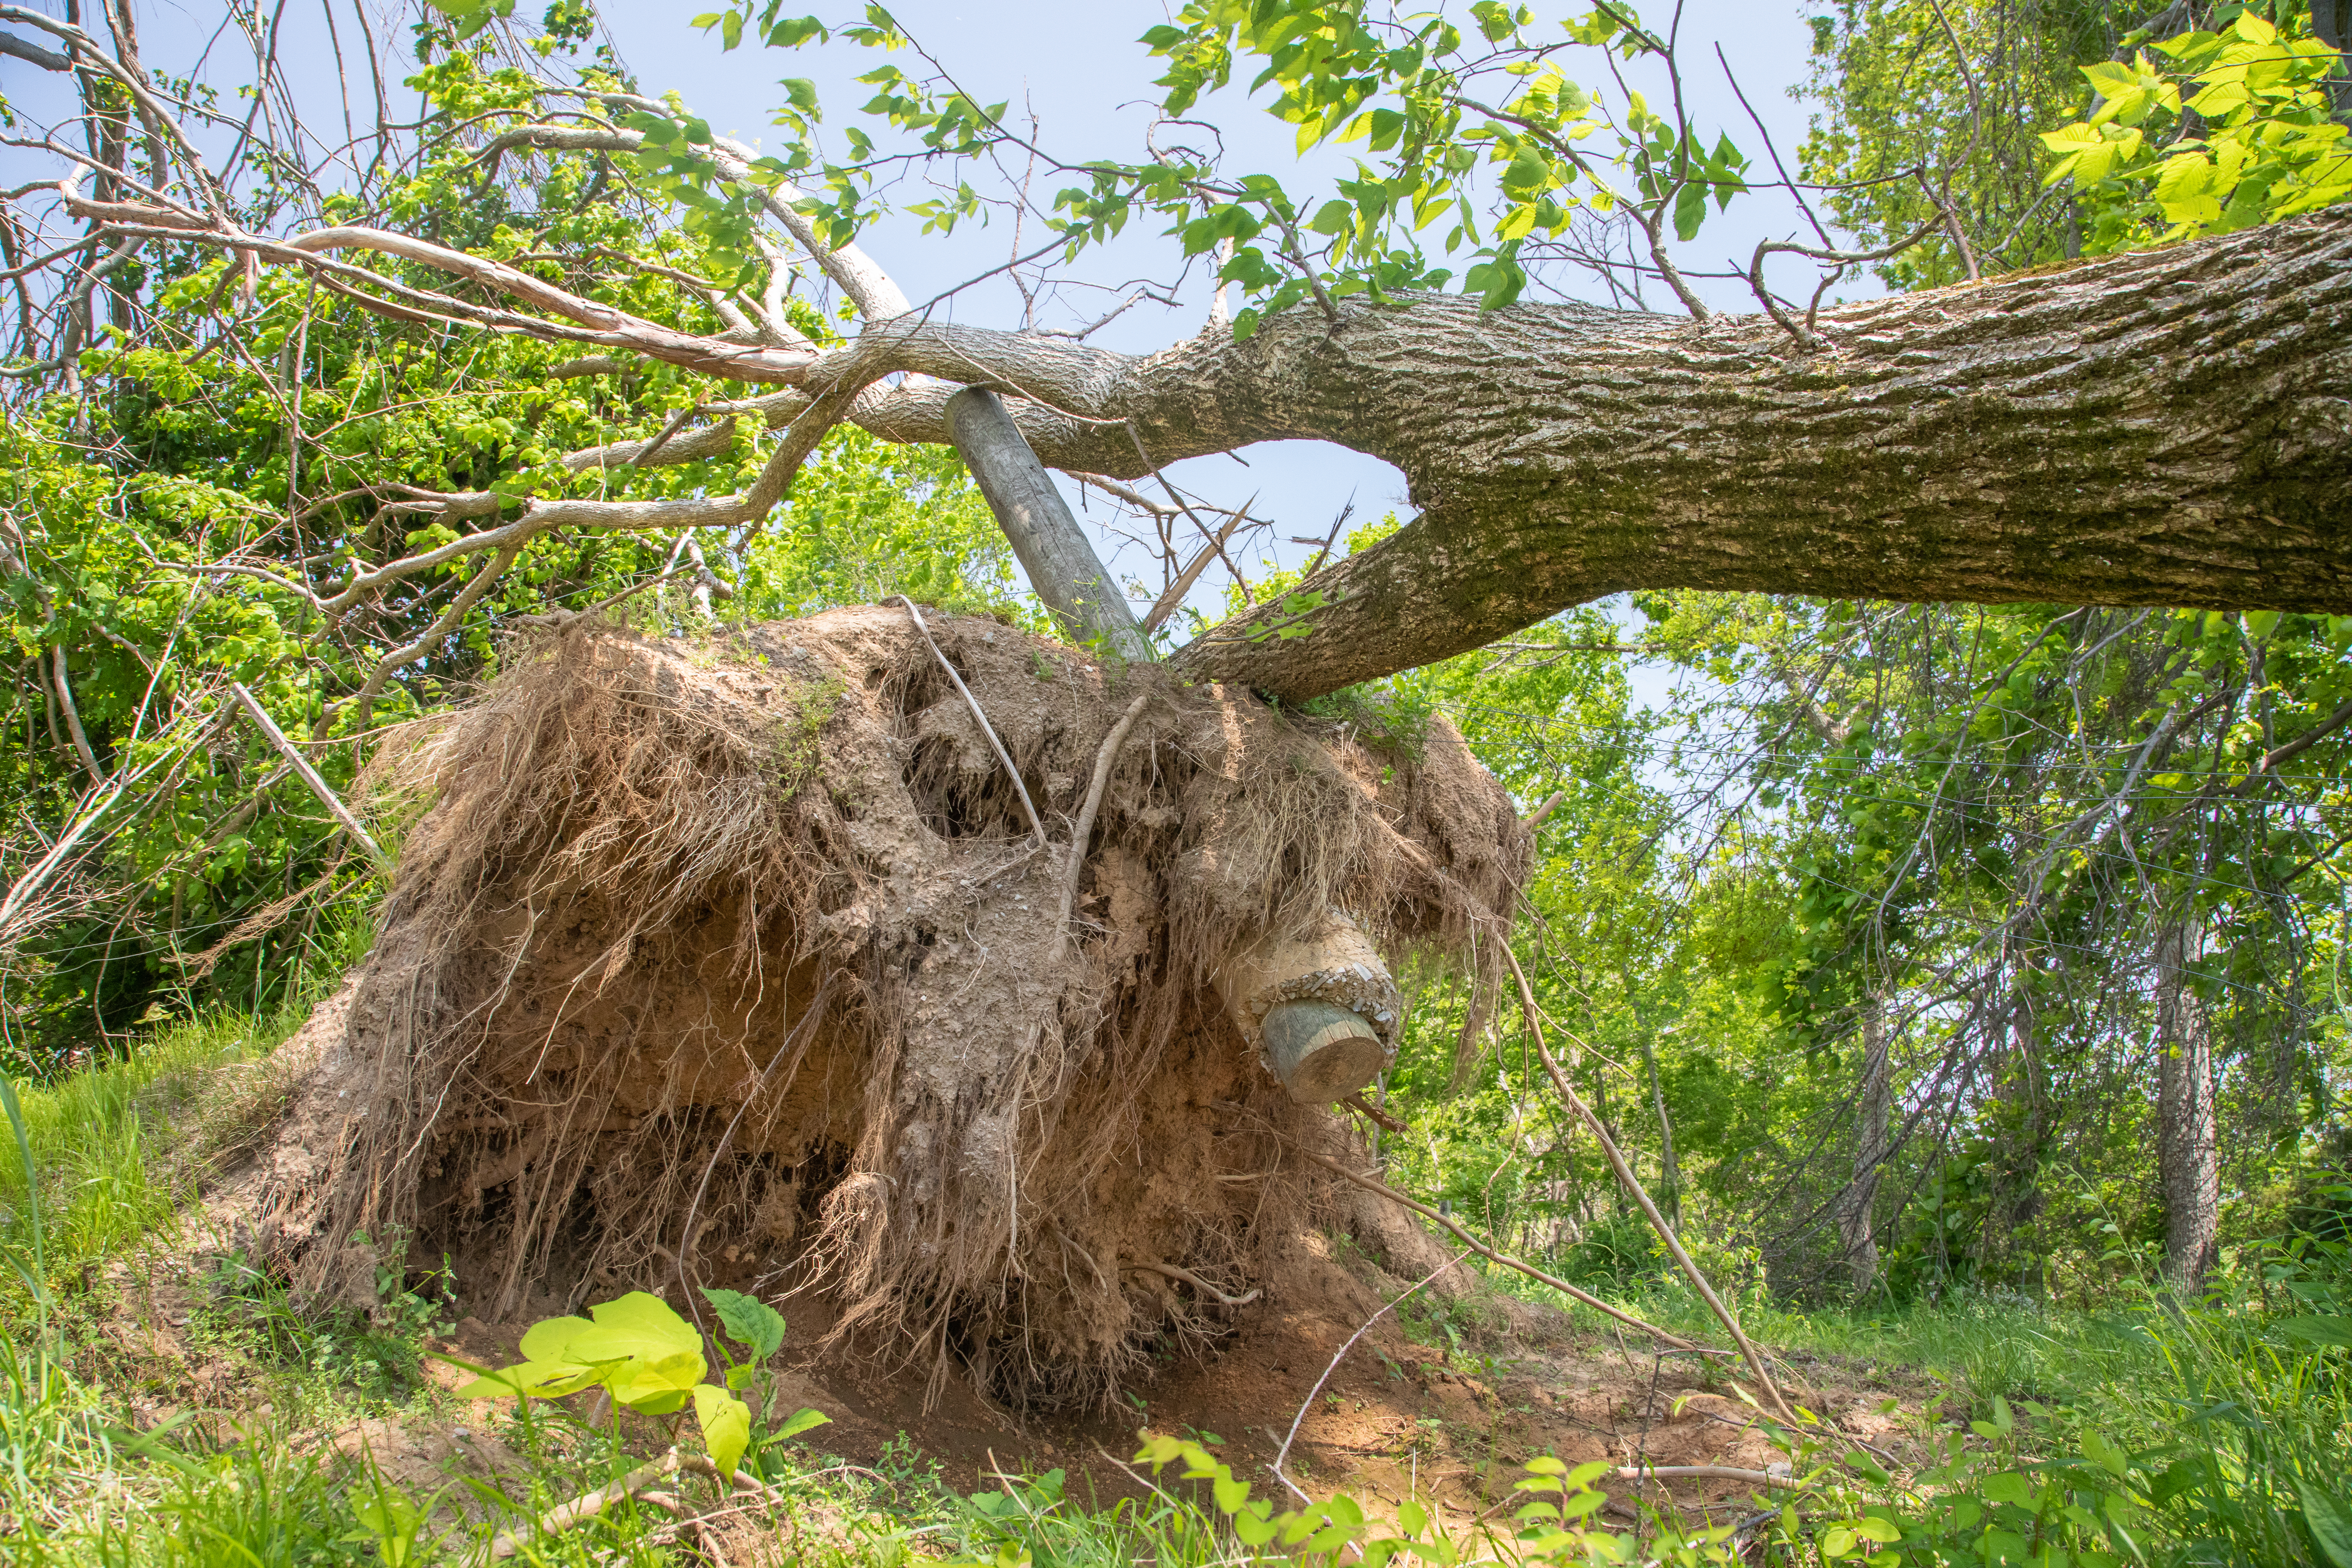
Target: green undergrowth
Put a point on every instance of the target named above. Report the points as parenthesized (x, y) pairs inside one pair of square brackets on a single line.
[(2221, 1429), (120, 1145), (2144, 1431)]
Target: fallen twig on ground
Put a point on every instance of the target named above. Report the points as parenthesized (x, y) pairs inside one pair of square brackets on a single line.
[(587, 1506), (1291, 1435), (1641, 1194)]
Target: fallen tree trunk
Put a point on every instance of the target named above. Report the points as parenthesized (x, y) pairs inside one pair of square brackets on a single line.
[(2171, 428), (2167, 427)]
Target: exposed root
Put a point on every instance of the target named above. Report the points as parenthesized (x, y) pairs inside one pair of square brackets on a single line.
[(743, 962)]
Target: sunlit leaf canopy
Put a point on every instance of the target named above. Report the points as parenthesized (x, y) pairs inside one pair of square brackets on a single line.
[(1473, 147)]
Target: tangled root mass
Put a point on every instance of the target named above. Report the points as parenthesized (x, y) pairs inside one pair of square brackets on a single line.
[(741, 963)]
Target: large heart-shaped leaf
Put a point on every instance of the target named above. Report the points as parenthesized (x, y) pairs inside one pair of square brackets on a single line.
[(638, 1326), (649, 1356)]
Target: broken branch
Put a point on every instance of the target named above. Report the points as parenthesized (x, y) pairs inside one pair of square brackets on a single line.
[(1633, 1188), (588, 1505), (309, 776)]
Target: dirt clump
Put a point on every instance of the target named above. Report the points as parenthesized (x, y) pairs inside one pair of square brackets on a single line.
[(743, 962)]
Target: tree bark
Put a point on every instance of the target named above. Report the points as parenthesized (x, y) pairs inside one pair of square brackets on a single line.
[(2167, 427), (1054, 550), (2188, 1153), (1874, 1105), (2170, 428)]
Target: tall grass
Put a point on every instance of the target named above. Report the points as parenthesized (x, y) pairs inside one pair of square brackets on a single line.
[(119, 1145)]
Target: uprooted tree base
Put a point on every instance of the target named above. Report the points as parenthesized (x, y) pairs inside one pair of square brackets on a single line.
[(742, 964)]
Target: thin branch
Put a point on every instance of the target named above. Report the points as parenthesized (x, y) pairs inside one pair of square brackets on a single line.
[(309, 776), (1083, 834), (977, 713), (1641, 1194)]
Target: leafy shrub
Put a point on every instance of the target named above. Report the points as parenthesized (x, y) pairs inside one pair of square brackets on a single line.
[(648, 1359)]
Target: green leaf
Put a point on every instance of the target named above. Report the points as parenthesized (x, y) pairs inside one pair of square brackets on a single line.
[(660, 1385), (799, 1421), (635, 1325), (2009, 1487), (1690, 210), (536, 1380), (749, 1321), (2104, 1454), (550, 1338), (2329, 1520), (1252, 1531), (2328, 1331), (726, 1427), (1332, 218)]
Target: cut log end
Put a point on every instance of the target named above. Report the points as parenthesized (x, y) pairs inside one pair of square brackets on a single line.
[(1321, 1051)]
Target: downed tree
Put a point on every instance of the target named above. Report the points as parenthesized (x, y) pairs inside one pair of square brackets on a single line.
[(2167, 427), (742, 964), (2170, 427)]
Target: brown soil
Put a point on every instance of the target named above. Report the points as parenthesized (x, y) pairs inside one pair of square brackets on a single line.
[(744, 964)]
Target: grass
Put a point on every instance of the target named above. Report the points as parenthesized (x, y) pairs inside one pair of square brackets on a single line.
[(2226, 1424), (2138, 1433), (119, 1146)]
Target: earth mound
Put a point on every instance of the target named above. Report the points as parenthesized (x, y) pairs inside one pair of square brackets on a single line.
[(752, 962)]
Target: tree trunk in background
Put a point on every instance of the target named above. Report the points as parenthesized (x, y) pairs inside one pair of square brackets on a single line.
[(2016, 1197), (1874, 1105), (2331, 20), (1670, 1175), (2188, 1153)]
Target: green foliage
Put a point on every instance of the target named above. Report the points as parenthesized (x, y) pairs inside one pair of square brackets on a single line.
[(1551, 1522), (648, 1359), (1400, 96), (122, 1142), (1895, 97), (868, 519), (254, 473), (2223, 130)]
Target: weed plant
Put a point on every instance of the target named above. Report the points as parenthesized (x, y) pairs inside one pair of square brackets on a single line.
[(2154, 1431)]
